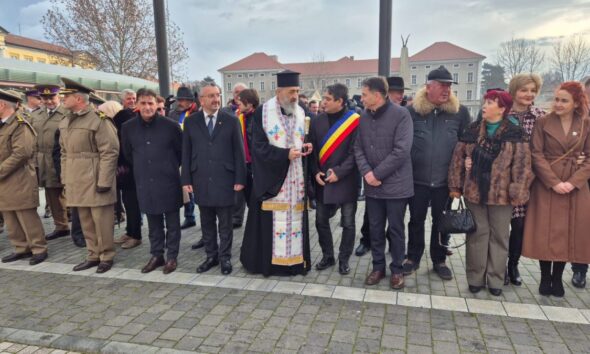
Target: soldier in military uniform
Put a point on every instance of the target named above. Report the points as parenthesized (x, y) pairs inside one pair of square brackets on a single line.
[(89, 152), (19, 191), (46, 122), (33, 101)]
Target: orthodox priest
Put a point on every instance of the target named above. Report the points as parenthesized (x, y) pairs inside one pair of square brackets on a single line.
[(276, 240)]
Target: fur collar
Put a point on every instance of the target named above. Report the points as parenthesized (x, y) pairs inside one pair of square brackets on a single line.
[(424, 107)]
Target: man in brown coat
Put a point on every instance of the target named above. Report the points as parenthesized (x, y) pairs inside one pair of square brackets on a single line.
[(89, 152), (19, 192), (46, 121)]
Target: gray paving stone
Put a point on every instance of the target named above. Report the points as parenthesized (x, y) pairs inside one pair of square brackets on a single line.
[(79, 344)]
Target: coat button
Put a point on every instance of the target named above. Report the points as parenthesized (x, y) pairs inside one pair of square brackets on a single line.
[(149, 161), (147, 142)]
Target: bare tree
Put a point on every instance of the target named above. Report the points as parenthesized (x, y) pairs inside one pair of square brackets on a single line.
[(117, 34), (571, 58), (520, 55), (319, 78)]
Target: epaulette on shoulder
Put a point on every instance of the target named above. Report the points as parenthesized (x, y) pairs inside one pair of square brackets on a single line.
[(23, 118), (101, 115)]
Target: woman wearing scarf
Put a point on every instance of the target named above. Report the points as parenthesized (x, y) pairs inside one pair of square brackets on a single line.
[(557, 223), (498, 179)]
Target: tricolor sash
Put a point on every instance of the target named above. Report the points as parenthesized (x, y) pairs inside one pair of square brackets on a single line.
[(337, 134)]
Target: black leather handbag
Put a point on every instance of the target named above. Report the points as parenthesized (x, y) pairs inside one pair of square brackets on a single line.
[(455, 221)]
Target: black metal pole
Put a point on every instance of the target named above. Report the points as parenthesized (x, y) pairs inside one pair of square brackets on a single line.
[(385, 13), (162, 47)]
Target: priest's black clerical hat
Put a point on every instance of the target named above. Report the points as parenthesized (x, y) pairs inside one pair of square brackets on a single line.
[(287, 78)]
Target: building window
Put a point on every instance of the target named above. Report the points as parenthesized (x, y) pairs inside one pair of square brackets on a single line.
[(470, 78), (261, 85), (425, 79), (251, 85), (273, 85), (240, 75), (312, 85), (262, 74), (469, 95), (359, 83), (413, 68), (323, 84), (41, 60), (427, 66), (455, 65), (14, 56), (28, 58), (456, 94), (335, 81), (413, 79), (250, 75), (347, 82), (228, 75), (470, 65), (229, 87), (456, 77)]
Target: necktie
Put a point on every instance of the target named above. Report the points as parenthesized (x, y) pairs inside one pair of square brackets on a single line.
[(210, 124)]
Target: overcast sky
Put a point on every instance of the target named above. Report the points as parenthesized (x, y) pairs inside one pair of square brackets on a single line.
[(219, 32)]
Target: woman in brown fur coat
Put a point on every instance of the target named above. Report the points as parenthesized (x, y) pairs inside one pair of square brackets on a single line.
[(557, 223), (499, 179)]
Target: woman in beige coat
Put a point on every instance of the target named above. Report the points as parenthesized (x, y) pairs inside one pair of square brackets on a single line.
[(557, 223)]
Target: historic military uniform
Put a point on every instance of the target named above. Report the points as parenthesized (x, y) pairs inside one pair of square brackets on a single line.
[(89, 152), (19, 191), (46, 121)]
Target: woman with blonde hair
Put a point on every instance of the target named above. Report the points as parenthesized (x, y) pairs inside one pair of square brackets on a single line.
[(110, 108), (557, 223), (523, 88)]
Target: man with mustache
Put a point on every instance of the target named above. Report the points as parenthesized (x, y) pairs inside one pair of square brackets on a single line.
[(276, 240)]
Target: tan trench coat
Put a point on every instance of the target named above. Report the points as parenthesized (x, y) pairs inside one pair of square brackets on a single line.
[(18, 182), (557, 225), (45, 127), (89, 152)]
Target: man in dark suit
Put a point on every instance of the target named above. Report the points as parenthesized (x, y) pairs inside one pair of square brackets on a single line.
[(153, 145), (333, 133), (214, 168)]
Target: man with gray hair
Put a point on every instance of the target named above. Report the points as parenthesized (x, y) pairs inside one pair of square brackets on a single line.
[(89, 152), (233, 107)]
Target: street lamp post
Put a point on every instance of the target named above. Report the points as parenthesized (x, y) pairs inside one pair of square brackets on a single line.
[(162, 47), (385, 13)]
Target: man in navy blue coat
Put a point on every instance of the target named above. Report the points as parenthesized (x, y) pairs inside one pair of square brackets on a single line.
[(153, 145), (214, 169)]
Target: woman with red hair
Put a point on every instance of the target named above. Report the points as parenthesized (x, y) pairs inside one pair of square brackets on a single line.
[(557, 223), (498, 178)]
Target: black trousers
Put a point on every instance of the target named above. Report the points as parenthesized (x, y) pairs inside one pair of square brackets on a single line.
[(76, 229), (160, 239), (324, 212), (133, 215), (516, 236), (423, 197), (392, 211), (366, 230), (242, 198), (212, 220), (580, 267)]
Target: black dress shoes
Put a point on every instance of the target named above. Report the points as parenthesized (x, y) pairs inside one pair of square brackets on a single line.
[(198, 244), (325, 263), (361, 250), (38, 258), (79, 242), (513, 274), (226, 267), (208, 264), (186, 224), (579, 280), (16, 256), (104, 267), (86, 265), (495, 291), (343, 268), (545, 286), (475, 289), (153, 263), (57, 234)]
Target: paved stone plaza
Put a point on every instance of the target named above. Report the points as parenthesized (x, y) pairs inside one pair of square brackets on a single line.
[(47, 306)]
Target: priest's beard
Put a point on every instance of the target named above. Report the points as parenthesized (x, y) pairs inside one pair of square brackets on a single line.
[(288, 106)]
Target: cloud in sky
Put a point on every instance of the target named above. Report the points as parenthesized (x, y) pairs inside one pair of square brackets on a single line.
[(220, 32)]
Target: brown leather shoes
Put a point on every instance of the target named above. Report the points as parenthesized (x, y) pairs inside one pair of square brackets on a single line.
[(121, 239), (86, 265), (375, 277), (397, 281), (130, 243), (104, 267), (170, 266), (153, 263)]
